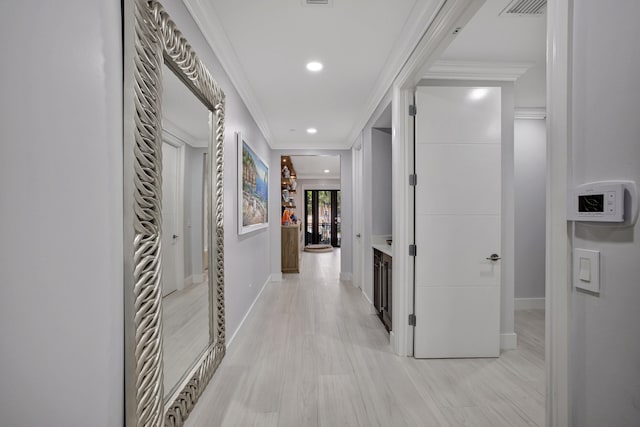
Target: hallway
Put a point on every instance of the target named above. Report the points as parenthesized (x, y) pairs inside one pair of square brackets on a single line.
[(310, 354)]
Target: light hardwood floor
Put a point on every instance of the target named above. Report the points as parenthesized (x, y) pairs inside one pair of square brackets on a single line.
[(185, 332), (310, 354)]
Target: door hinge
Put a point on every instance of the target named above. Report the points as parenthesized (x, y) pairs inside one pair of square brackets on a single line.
[(412, 320), (412, 250), (412, 110), (413, 180)]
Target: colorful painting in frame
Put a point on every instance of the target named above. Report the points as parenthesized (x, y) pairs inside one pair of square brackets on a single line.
[(253, 189)]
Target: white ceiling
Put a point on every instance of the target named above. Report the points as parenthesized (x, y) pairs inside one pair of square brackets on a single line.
[(489, 37), (183, 115), (313, 167), (264, 46)]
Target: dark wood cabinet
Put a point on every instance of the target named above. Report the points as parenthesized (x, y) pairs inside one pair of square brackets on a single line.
[(383, 287)]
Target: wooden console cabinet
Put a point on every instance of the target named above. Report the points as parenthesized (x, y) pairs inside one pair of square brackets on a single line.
[(290, 250)]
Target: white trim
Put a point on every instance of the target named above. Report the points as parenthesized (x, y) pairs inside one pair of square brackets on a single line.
[(346, 276), (422, 17), (509, 341), (175, 131), (248, 312), (212, 29), (372, 309), (179, 144), (364, 294), (530, 113), (326, 177), (476, 70), (205, 16), (557, 287), (402, 222), (453, 14), (529, 304), (194, 279)]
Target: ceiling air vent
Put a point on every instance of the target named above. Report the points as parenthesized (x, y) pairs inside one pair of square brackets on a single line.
[(524, 8), (317, 2)]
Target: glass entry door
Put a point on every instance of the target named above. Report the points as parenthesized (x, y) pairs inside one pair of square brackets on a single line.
[(322, 217)]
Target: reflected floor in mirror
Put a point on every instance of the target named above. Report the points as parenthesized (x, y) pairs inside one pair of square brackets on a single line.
[(311, 354), (185, 331)]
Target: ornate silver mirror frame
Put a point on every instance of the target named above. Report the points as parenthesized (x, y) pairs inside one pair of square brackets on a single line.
[(151, 38)]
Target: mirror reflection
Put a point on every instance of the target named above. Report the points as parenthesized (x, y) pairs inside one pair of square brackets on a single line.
[(185, 315)]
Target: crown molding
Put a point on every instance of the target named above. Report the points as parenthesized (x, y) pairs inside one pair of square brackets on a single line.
[(530, 113), (420, 17), (314, 145), (183, 136), (474, 70), (211, 28)]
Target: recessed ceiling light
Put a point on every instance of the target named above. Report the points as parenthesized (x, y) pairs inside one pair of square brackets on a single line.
[(314, 66), (327, 171), (478, 93), (312, 130)]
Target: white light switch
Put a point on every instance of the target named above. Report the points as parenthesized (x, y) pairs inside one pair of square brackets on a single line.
[(586, 270)]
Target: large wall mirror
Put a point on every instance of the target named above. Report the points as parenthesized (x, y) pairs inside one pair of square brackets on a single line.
[(174, 247)]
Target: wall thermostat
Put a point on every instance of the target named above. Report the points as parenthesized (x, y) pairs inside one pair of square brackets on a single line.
[(604, 201), (598, 201)]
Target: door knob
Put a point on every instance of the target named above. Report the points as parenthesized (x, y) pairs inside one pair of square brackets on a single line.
[(175, 236), (494, 257)]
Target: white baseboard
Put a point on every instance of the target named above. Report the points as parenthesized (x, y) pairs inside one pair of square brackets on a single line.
[(250, 310), (529, 303), (347, 277), (366, 297), (276, 277), (372, 309), (194, 278), (508, 341)]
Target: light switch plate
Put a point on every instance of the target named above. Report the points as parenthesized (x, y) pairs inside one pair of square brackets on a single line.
[(586, 270)]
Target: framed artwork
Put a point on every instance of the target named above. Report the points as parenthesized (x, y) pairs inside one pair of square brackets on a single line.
[(253, 189)]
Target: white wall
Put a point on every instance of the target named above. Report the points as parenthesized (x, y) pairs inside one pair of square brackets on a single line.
[(604, 339), (246, 257), (381, 207), (530, 157), (530, 88), (61, 311), (380, 117)]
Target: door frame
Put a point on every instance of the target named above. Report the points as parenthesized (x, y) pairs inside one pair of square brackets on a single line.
[(558, 248), (453, 14), (314, 207), (357, 163), (179, 144)]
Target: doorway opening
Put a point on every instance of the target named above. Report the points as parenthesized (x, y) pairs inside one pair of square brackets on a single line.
[(322, 218), (311, 208)]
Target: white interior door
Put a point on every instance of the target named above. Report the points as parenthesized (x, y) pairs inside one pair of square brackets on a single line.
[(170, 231), (458, 164)]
